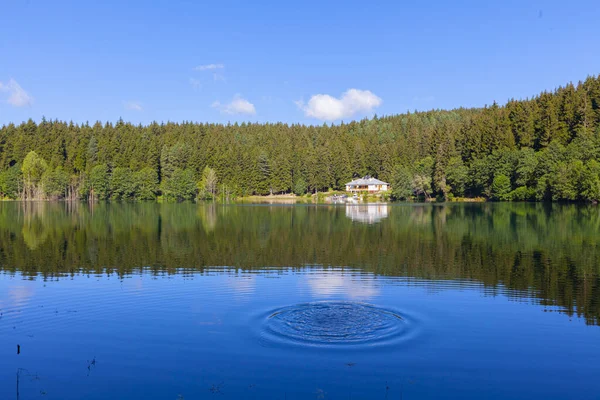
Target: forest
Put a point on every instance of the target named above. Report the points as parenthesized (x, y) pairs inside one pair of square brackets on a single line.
[(546, 148)]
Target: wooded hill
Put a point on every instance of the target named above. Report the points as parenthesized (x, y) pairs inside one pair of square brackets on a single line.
[(544, 148)]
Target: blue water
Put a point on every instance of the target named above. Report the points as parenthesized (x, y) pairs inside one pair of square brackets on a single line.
[(432, 311), (204, 335)]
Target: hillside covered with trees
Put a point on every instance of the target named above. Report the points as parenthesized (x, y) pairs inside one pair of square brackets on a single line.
[(544, 148)]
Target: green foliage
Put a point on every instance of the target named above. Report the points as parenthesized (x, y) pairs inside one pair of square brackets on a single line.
[(501, 187), (122, 184), (207, 187), (526, 167), (480, 177), (99, 184), (55, 183), (522, 193), (402, 183), (33, 169), (422, 179), (263, 174), (457, 176), (174, 157), (300, 187), (180, 186), (566, 181), (590, 181), (11, 182), (92, 151), (544, 144), (146, 184)]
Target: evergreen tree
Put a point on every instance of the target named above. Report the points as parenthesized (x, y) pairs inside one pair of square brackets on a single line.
[(300, 187), (11, 182), (402, 184), (544, 145)]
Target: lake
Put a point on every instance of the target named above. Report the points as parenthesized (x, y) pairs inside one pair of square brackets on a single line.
[(379, 301)]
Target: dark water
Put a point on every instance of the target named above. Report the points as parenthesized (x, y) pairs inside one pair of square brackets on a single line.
[(185, 301)]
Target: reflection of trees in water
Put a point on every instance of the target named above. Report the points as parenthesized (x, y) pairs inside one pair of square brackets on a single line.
[(547, 251), (35, 229), (208, 216)]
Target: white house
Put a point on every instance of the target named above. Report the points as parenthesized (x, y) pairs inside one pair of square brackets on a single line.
[(367, 184)]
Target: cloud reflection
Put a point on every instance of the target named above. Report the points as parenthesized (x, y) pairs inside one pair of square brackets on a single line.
[(20, 295), (336, 283), (242, 285)]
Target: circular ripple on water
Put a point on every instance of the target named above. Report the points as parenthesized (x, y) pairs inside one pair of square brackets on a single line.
[(332, 323)]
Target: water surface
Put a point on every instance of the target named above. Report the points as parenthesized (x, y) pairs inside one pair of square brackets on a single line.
[(188, 301)]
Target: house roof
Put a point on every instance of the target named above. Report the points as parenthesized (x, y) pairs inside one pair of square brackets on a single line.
[(366, 180)]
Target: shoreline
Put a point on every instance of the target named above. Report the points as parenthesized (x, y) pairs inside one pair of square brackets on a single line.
[(319, 198)]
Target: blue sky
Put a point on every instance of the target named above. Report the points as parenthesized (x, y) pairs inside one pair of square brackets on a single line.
[(307, 62)]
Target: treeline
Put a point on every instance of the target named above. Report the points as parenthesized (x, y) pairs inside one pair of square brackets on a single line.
[(544, 148)]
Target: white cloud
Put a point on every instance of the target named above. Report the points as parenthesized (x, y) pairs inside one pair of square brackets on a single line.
[(196, 84), (214, 68), (238, 105), (218, 77), (133, 105), (16, 95), (209, 67), (329, 108)]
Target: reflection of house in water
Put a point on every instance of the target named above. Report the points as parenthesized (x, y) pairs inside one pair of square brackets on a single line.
[(367, 213)]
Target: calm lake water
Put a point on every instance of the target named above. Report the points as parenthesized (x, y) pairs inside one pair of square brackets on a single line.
[(188, 301)]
